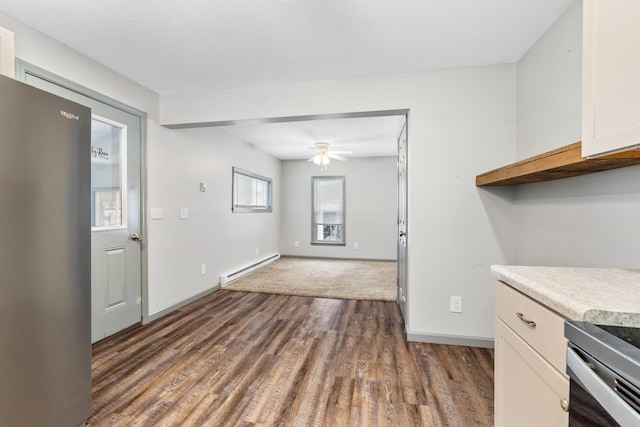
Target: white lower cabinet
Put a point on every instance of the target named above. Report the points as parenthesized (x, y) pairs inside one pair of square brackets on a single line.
[(529, 390)]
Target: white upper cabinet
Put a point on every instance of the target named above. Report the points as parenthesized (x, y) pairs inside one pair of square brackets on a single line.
[(7, 54), (611, 76)]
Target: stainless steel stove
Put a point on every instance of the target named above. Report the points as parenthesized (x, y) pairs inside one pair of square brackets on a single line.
[(603, 363)]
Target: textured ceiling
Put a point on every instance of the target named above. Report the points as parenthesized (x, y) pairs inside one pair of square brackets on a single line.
[(362, 137), (174, 46), (190, 45)]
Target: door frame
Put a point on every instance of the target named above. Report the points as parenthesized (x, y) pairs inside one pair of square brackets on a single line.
[(23, 69), (405, 112), (404, 306)]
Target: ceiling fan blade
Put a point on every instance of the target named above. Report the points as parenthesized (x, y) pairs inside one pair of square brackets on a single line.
[(333, 156)]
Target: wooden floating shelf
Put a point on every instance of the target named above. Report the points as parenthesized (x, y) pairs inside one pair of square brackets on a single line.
[(561, 163)]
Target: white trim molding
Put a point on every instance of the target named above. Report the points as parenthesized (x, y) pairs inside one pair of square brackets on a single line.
[(158, 314), (484, 342)]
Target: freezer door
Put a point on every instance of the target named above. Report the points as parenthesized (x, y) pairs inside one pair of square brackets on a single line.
[(45, 344)]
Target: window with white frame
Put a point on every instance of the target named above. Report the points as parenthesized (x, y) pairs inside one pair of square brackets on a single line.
[(327, 209), (251, 192)]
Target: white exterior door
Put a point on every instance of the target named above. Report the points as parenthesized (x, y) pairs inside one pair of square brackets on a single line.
[(115, 212), (115, 223)]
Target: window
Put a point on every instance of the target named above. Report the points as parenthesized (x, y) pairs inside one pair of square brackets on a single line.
[(108, 174), (251, 192), (327, 209)]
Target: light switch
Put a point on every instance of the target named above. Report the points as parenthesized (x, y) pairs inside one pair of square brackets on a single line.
[(157, 213), (203, 186), (184, 213)]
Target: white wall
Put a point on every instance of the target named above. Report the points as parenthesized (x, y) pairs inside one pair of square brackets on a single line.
[(550, 88), (176, 162), (589, 221), (371, 209), (212, 235), (461, 123)]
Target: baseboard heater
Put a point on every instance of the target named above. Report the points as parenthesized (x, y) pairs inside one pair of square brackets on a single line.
[(228, 278)]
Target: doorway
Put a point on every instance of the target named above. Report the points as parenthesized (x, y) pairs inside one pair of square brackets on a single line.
[(116, 238), (378, 138)]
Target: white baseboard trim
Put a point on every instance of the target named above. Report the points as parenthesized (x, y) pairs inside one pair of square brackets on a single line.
[(226, 279), (338, 258), (174, 307), (451, 340)]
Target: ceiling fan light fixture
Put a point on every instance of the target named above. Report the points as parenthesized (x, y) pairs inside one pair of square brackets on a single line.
[(321, 159), (322, 147)]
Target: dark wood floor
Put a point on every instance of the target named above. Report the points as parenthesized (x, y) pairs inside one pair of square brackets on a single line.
[(248, 359)]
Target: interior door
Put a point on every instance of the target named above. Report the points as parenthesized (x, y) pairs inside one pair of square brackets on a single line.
[(115, 213), (402, 219), (115, 224)]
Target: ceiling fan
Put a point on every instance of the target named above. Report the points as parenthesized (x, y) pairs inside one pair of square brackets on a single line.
[(323, 155)]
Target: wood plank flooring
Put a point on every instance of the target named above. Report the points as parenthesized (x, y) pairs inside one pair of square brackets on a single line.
[(250, 359)]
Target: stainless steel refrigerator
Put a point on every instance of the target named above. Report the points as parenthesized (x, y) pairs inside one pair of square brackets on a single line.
[(45, 271)]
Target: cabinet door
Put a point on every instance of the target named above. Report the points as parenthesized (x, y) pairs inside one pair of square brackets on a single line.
[(528, 390), (611, 76), (7, 54)]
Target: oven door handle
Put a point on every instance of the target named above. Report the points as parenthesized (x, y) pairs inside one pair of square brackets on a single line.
[(580, 372)]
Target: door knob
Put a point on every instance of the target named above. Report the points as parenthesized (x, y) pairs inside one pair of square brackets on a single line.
[(135, 237), (564, 404)]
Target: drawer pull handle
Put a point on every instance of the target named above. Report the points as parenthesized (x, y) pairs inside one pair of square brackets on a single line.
[(529, 323)]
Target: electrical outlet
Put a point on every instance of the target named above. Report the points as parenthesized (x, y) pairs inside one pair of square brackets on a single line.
[(257, 251), (184, 213), (203, 269), (456, 305), (296, 244)]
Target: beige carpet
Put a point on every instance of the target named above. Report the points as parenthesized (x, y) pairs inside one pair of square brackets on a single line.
[(325, 278)]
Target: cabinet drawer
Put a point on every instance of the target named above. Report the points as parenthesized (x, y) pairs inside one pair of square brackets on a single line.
[(529, 391), (546, 337)]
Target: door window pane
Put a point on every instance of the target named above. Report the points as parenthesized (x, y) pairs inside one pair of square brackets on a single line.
[(328, 201), (108, 179)]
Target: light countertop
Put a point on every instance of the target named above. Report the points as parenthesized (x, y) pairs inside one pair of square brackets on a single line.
[(598, 295)]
